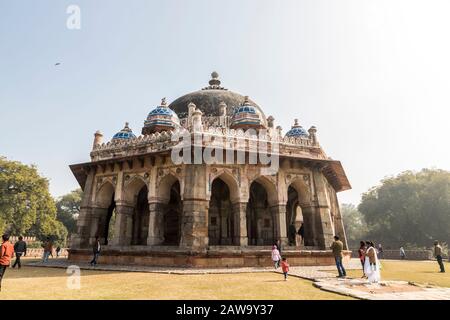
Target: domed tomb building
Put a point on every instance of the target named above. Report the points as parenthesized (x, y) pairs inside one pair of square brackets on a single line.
[(193, 189)]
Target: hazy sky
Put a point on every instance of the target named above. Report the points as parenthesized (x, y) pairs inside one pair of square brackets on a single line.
[(373, 76)]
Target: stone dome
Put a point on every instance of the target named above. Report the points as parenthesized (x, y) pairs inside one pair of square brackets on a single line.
[(297, 131), (161, 118), (209, 98), (124, 134)]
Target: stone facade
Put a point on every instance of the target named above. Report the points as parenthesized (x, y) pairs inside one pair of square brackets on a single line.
[(142, 203)]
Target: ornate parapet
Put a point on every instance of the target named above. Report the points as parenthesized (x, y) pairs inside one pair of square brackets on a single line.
[(212, 136)]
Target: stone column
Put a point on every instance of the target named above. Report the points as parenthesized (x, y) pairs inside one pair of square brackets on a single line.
[(279, 223), (194, 220), (96, 224), (194, 224), (155, 224), (240, 224), (308, 211), (81, 238), (324, 226), (124, 225)]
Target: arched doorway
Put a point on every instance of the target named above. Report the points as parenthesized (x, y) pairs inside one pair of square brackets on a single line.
[(294, 217), (260, 226), (172, 217), (299, 211), (105, 211), (140, 218), (221, 218)]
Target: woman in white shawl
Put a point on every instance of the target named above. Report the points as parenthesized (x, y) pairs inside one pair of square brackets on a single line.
[(372, 264)]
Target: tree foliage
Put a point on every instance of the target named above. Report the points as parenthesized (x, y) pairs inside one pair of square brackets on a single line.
[(354, 223), (68, 208), (409, 209), (26, 206)]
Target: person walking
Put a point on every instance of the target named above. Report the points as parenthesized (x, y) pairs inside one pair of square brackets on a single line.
[(301, 233), (380, 251), (438, 255), (276, 257), (278, 245), (285, 268), (337, 247), (20, 248), (58, 250), (402, 253), (362, 255), (6, 253), (48, 248), (96, 248)]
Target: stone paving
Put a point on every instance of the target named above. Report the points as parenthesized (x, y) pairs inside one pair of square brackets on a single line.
[(323, 277)]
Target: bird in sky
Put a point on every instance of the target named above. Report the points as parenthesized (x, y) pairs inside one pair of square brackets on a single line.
[(57, 64)]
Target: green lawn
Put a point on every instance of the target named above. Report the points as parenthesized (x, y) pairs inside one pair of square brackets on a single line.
[(50, 283), (424, 272)]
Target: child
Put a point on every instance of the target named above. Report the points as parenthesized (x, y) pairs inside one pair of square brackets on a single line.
[(285, 268), (276, 256)]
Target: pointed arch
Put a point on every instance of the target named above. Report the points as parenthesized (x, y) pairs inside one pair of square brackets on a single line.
[(270, 187), (104, 194), (231, 183)]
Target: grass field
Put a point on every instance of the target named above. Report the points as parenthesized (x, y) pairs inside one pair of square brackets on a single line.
[(50, 283), (424, 272)]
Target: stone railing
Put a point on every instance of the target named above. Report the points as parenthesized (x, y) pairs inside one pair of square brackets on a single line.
[(410, 254), (212, 136), (39, 252)]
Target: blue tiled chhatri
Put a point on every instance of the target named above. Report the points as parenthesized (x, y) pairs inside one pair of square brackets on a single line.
[(160, 118), (245, 116), (297, 131), (124, 134)]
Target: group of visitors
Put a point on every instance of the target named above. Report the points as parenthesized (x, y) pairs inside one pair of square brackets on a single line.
[(368, 255), (278, 260)]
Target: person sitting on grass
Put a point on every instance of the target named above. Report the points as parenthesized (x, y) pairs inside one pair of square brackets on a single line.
[(276, 257), (285, 268)]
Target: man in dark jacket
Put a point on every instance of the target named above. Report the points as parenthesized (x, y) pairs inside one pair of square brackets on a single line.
[(438, 255), (20, 248), (96, 248)]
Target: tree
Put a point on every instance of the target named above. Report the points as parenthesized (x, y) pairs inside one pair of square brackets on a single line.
[(354, 223), (409, 209), (26, 206), (68, 208)]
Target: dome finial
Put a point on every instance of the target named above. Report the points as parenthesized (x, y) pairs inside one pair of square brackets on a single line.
[(295, 122), (163, 101), (127, 124), (214, 79)]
